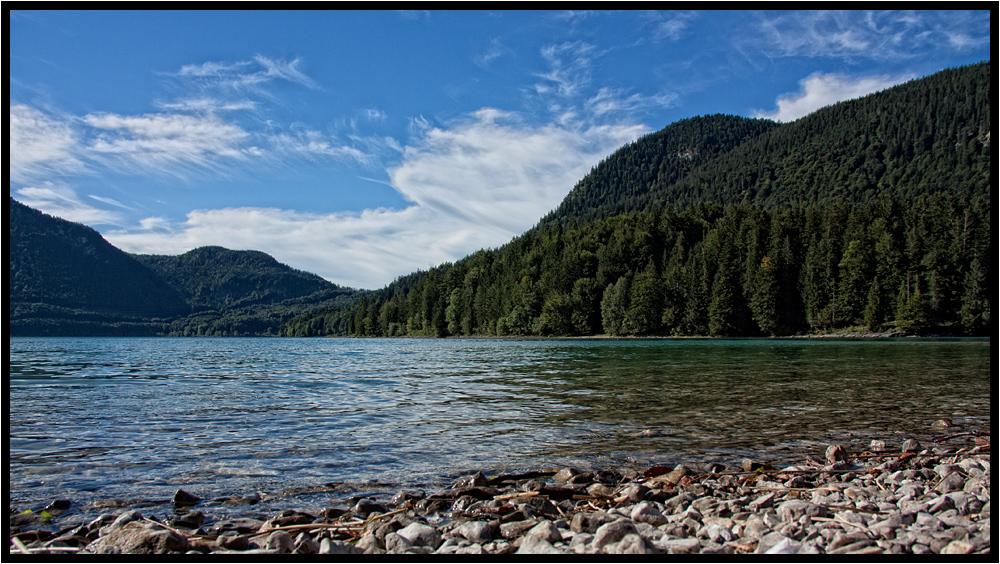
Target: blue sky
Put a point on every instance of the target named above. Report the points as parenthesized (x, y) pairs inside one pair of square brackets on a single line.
[(365, 145)]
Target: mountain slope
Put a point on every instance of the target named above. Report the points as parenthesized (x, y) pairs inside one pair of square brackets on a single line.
[(68, 265), (873, 214), (65, 279), (214, 277), (921, 137), (621, 181)]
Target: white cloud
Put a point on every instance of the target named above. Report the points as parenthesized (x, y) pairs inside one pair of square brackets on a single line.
[(861, 34), (245, 75), (617, 100), (492, 170), (365, 250), (474, 185), (62, 201), (165, 143), (40, 146), (819, 90), (494, 51), (569, 68), (671, 25), (312, 144)]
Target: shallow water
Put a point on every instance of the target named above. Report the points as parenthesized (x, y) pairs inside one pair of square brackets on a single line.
[(138, 418)]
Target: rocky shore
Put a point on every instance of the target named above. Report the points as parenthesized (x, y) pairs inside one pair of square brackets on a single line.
[(852, 499)]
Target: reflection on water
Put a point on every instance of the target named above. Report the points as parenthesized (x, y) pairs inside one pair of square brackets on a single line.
[(137, 418)]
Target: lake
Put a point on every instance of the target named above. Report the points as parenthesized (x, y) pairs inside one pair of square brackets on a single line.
[(311, 419)]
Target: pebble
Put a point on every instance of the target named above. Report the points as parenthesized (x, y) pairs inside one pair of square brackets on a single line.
[(909, 501)]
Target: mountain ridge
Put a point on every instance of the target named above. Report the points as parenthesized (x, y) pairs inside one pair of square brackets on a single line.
[(872, 212), (66, 279)]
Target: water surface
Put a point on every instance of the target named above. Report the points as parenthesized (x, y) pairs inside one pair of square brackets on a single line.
[(137, 418)]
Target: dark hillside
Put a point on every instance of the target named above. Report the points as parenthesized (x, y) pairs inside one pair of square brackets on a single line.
[(54, 262), (621, 182), (65, 279)]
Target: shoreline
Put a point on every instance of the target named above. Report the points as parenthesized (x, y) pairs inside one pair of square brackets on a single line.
[(851, 499)]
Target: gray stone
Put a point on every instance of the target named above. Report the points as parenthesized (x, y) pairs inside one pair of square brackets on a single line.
[(943, 470), (854, 547), (136, 538), (635, 493), (477, 480), (515, 529), (471, 549), (705, 504), (841, 540), (630, 544), (762, 502), (952, 482), (537, 545), (475, 531), (755, 528), (546, 530), (678, 546), (646, 512), (365, 543), (716, 533), (304, 544), (836, 453), (184, 499), (784, 546), (565, 475), (580, 543), (958, 547), (122, 520), (598, 489), (768, 541), (232, 542), (589, 522), (794, 509), (395, 544), (613, 532), (365, 507), (419, 534), (281, 542)]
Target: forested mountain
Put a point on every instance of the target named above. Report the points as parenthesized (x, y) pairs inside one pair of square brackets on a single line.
[(65, 279), (926, 136), (871, 214), (622, 182)]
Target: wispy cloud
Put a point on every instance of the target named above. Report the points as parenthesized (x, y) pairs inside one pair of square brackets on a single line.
[(619, 101), (312, 144), (199, 131), (41, 146), (819, 90), (168, 144), (569, 69), (493, 51), (245, 75), (671, 25), (62, 201), (494, 170), (474, 184), (855, 34)]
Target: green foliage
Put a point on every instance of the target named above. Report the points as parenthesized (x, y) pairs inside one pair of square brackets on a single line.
[(749, 271), (872, 212)]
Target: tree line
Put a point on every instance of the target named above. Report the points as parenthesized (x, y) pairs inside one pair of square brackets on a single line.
[(739, 270)]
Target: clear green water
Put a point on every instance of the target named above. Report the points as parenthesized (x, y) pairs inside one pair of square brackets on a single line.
[(93, 418)]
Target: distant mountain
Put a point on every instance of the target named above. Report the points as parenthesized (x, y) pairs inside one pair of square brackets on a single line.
[(65, 279), (871, 214)]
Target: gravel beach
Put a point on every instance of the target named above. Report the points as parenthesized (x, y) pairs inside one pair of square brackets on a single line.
[(852, 499)]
